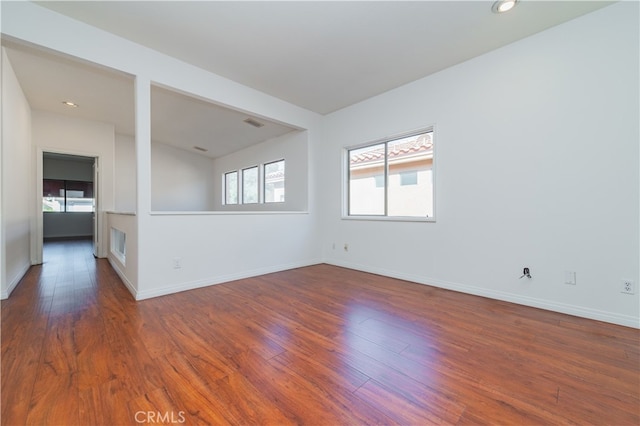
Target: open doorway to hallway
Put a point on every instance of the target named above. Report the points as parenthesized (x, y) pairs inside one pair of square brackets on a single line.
[(69, 198)]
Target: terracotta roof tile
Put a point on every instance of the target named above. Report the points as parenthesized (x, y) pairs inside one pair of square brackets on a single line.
[(423, 143)]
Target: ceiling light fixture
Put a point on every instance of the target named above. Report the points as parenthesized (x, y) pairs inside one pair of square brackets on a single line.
[(502, 6), (70, 104)]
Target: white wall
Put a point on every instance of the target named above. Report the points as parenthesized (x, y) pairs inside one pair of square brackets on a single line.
[(219, 248), (536, 157), (125, 174), (61, 134), (128, 271), (536, 165), (180, 180), (293, 148), (17, 181), (195, 239)]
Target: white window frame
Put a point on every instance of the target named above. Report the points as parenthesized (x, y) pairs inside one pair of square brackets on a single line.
[(260, 182), (224, 188), (385, 217), (242, 196), (264, 181), (118, 245)]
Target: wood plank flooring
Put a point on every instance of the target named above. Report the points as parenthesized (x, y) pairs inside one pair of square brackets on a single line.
[(320, 345)]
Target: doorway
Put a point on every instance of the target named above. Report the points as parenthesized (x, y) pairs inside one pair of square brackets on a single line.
[(69, 198)]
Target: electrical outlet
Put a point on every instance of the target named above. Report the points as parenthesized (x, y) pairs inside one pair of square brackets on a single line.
[(570, 277), (628, 287), (177, 263)]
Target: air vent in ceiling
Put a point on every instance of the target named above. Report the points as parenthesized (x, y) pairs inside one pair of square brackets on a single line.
[(199, 148), (254, 123)]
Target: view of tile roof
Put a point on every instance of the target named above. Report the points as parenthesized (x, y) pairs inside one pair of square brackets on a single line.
[(397, 149), (276, 175)]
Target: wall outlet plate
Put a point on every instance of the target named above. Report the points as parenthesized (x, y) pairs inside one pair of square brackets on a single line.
[(628, 286), (177, 263), (570, 277)]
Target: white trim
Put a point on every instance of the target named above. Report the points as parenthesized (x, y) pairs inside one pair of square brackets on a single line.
[(229, 213), (120, 213), (391, 218), (121, 257), (14, 282), (345, 177), (224, 188), (141, 295), (241, 180), (123, 277), (263, 188), (394, 136), (563, 308), (38, 232)]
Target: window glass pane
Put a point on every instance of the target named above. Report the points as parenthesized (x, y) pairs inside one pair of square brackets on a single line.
[(250, 185), (366, 180), (274, 182), (52, 195), (231, 188), (409, 178), (410, 186), (79, 196)]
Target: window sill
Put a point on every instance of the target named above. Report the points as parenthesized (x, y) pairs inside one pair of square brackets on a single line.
[(120, 213), (224, 213), (391, 218)]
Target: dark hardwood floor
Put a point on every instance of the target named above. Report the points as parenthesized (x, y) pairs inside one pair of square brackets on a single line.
[(319, 345)]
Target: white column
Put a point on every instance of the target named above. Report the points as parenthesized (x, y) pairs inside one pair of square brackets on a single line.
[(143, 174)]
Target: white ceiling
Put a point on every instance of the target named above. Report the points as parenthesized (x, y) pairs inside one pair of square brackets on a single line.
[(48, 79), (105, 95), (320, 55), (187, 122)]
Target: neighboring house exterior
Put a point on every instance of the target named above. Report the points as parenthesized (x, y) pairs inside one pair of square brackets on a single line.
[(410, 174)]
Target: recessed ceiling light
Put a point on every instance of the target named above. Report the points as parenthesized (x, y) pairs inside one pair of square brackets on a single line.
[(502, 6), (70, 104)]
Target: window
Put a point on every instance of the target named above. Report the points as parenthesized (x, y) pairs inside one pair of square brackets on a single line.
[(263, 183), (367, 180), (250, 185), (274, 182), (409, 178), (53, 199), (67, 196), (392, 178), (231, 188)]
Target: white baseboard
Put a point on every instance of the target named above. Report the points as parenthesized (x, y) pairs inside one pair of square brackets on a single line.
[(116, 267), (578, 311), (141, 295), (14, 282)]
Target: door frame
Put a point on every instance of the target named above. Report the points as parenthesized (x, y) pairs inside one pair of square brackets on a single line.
[(37, 233)]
